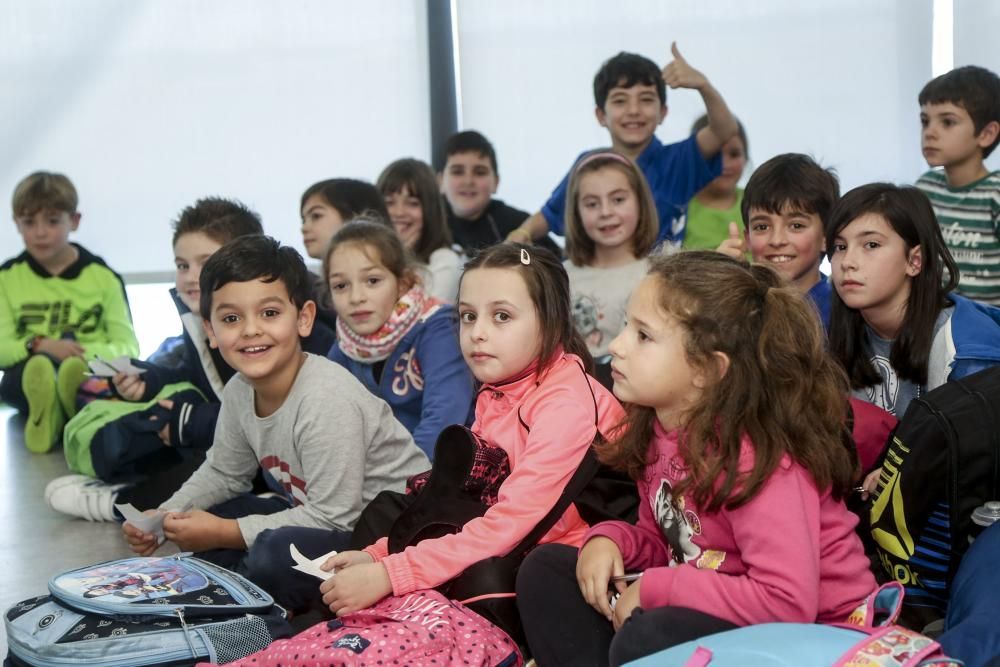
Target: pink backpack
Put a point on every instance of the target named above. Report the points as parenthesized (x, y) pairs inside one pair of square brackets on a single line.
[(421, 628)]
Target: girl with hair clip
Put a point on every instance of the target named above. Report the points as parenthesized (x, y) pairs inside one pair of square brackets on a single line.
[(416, 210), (611, 225), (717, 205), (895, 325), (536, 402), (741, 516), (395, 338)]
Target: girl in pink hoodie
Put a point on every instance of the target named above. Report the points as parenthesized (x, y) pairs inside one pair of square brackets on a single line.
[(735, 439), (536, 402)]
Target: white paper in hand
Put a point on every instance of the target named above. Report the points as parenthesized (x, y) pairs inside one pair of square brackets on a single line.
[(146, 523), (104, 368), (303, 564)]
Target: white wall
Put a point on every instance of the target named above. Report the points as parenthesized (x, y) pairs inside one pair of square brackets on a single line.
[(149, 104), (834, 78)]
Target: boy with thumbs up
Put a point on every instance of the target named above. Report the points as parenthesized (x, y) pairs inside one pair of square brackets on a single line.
[(785, 205), (631, 101)]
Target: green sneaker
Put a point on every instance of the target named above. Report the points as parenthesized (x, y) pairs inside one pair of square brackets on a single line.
[(45, 416), (71, 373)]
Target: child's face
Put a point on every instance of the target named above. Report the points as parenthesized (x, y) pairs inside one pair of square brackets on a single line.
[(608, 207), (320, 222), (364, 292), (648, 363), (948, 137), (500, 332), (791, 242), (734, 161), (872, 268), (191, 252), (468, 182), (631, 115), (407, 215), (46, 233), (256, 328)]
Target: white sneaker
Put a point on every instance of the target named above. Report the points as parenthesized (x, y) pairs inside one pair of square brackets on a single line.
[(82, 496)]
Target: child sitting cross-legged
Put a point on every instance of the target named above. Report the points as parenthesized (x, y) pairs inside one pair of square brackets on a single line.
[(741, 477), (330, 445)]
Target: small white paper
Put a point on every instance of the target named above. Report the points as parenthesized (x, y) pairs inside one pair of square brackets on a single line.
[(303, 564), (146, 523), (104, 368)]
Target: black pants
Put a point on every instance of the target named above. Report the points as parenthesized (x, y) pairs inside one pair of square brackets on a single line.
[(562, 629), (269, 564)]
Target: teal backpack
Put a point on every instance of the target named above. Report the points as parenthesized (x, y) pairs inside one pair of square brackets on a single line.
[(874, 642), (116, 441)]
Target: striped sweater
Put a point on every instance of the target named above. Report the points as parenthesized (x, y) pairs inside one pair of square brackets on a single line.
[(969, 217)]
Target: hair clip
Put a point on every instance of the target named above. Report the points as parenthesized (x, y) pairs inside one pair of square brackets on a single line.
[(525, 257)]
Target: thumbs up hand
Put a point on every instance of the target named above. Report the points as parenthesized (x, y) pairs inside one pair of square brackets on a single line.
[(679, 74), (734, 246)]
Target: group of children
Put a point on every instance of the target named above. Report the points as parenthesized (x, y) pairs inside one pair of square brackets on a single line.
[(725, 382)]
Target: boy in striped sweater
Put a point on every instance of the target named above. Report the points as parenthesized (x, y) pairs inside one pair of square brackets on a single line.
[(960, 117)]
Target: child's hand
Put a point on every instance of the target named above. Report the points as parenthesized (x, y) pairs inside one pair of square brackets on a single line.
[(62, 349), (871, 483), (599, 560), (356, 587), (627, 602), (198, 530), (129, 387), (679, 74), (142, 543), (346, 559), (164, 432), (734, 246)]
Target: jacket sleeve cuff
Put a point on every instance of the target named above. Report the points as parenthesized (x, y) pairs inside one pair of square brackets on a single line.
[(654, 591), (379, 550), (400, 574)]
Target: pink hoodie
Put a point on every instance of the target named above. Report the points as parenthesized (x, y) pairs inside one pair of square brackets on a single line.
[(560, 413), (790, 554)]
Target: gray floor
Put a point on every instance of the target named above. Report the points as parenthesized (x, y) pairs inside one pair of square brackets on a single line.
[(38, 542)]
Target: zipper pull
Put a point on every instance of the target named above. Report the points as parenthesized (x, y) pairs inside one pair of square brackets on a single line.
[(187, 630)]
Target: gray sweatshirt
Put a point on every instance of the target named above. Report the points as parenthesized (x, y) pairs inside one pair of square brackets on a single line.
[(332, 444)]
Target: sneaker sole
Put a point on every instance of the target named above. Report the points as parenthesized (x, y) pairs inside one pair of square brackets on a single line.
[(71, 373), (39, 386)]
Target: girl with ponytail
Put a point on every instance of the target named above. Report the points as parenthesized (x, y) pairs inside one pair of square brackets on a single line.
[(735, 412)]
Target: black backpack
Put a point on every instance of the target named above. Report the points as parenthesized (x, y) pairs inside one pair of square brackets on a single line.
[(943, 461)]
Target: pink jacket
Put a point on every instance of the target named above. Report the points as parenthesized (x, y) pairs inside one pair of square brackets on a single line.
[(790, 554), (560, 413)]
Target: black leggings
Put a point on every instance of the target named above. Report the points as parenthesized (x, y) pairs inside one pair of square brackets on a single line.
[(562, 629)]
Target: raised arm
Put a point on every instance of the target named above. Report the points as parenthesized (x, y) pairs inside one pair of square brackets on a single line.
[(721, 122)]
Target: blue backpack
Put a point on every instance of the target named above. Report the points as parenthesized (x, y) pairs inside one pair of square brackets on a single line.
[(175, 610), (875, 642)]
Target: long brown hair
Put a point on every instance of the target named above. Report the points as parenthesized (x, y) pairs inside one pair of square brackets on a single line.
[(548, 287), (782, 389), (418, 180)]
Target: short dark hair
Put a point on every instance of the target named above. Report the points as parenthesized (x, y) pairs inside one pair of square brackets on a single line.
[(910, 214), (740, 132), (975, 89), (548, 286), (42, 190), (418, 179), (220, 219), (794, 180), (349, 196), (626, 70), (469, 141), (251, 258)]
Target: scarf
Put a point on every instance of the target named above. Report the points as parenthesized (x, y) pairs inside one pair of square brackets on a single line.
[(379, 345)]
